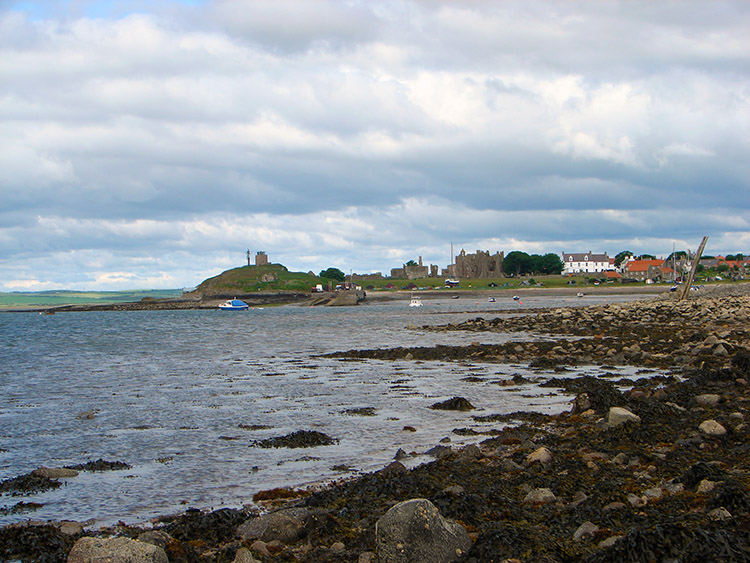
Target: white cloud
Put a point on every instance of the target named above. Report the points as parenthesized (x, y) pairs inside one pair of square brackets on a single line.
[(158, 144)]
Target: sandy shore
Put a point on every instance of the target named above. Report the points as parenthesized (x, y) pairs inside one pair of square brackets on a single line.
[(521, 291)]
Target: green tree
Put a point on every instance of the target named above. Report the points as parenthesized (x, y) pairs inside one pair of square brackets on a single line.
[(517, 263), (679, 255), (551, 264), (647, 257), (620, 257), (333, 274), (412, 263)]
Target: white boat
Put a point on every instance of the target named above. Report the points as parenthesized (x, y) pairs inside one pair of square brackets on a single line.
[(491, 300), (516, 298), (579, 294), (416, 301), (234, 305)]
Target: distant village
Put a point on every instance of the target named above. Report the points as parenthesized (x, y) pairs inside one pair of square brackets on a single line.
[(625, 267)]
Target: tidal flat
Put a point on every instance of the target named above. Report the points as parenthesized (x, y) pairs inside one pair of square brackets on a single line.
[(643, 456)]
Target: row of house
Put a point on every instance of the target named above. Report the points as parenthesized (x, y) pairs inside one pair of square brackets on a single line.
[(482, 264), (653, 270), (631, 268)]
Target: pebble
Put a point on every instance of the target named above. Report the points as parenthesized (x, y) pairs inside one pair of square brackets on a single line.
[(541, 455), (540, 496), (585, 530), (712, 428), (708, 399), (620, 415)]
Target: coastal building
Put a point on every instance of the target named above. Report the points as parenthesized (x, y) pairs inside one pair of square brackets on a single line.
[(479, 265), (411, 272), (261, 259), (586, 263), (643, 270)]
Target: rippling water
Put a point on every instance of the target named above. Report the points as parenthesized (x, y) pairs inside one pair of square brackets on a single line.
[(174, 393)]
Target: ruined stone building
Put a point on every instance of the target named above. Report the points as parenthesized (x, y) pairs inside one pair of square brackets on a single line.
[(412, 272), (479, 265)]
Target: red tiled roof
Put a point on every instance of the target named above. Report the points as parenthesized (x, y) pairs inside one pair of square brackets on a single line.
[(643, 265)]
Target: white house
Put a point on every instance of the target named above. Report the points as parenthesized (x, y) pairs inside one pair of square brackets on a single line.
[(585, 263)]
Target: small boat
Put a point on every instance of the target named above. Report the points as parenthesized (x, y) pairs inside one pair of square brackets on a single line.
[(579, 294), (516, 298), (234, 305), (491, 300), (416, 301)]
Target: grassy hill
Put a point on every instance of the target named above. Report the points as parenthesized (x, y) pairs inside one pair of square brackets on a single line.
[(250, 279)]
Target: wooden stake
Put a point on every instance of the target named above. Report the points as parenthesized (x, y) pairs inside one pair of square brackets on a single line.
[(691, 276)]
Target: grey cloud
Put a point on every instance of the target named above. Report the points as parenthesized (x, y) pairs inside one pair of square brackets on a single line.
[(362, 132)]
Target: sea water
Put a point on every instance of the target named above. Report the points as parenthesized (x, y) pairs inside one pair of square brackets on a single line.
[(181, 396)]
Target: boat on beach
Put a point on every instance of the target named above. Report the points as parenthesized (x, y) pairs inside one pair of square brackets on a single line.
[(234, 305), (416, 301)]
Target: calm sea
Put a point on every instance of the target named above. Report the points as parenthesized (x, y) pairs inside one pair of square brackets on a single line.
[(181, 396)]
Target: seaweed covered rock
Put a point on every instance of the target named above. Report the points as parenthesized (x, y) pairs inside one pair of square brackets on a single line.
[(454, 404), (212, 527), (28, 484), (100, 465), (413, 531), (43, 544), (298, 439)]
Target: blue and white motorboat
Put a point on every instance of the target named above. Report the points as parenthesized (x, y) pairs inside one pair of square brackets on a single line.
[(234, 305)]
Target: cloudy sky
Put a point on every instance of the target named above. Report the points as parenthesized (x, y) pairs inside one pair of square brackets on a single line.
[(150, 144)]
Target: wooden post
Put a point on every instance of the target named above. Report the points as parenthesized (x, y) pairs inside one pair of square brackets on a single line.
[(693, 269)]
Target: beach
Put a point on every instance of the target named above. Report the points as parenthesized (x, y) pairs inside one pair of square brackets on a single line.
[(633, 469)]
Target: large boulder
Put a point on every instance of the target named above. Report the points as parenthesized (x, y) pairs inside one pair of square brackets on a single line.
[(285, 526), (116, 550), (413, 531)]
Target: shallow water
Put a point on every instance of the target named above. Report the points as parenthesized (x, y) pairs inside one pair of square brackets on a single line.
[(174, 392)]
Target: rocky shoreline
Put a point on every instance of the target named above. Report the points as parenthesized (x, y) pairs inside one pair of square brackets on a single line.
[(651, 470)]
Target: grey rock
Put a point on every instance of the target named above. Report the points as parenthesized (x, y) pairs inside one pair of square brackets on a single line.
[(55, 472), (283, 526), (469, 453), (620, 415), (413, 531), (120, 550), (439, 452), (244, 555), (712, 428), (540, 496), (610, 541), (708, 399), (69, 527), (721, 350), (587, 529), (155, 537), (541, 455), (720, 514)]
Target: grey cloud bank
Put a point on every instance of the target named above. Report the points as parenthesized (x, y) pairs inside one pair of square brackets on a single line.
[(151, 144)]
